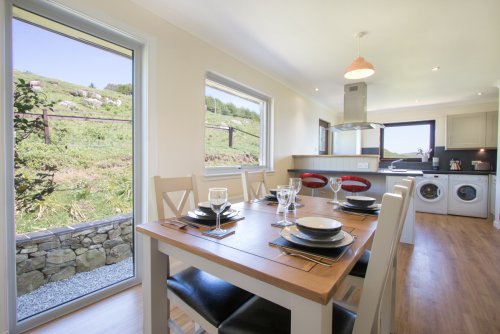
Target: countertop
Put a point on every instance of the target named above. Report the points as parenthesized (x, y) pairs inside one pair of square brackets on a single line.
[(408, 172)]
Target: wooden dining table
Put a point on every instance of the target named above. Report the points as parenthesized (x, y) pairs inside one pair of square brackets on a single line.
[(247, 260)]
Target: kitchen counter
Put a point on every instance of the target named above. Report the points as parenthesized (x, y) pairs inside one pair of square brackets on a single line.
[(465, 172), (385, 172)]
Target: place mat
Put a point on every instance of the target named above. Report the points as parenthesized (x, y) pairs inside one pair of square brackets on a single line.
[(361, 212), (210, 233), (333, 254), (208, 223)]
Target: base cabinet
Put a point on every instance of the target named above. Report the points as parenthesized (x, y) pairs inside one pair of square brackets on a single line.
[(408, 234), (493, 189)]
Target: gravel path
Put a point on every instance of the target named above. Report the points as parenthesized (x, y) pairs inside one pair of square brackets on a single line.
[(57, 293)]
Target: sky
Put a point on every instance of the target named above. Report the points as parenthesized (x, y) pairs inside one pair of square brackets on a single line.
[(51, 55), (405, 139)]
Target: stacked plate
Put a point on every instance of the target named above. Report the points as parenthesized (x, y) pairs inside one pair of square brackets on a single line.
[(361, 204), (204, 213), (317, 232), (272, 196)]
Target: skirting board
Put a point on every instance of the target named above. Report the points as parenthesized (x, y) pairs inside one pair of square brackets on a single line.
[(496, 224)]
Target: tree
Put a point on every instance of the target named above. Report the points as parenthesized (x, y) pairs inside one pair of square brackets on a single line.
[(91, 85), (33, 181)]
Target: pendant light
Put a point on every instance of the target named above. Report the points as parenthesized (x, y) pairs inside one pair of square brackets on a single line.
[(360, 68)]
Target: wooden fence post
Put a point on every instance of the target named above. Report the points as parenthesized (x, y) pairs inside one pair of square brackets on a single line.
[(231, 131), (46, 126)]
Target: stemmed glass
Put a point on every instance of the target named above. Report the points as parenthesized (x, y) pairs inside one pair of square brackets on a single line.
[(295, 183), (284, 195), (335, 183), (218, 201)]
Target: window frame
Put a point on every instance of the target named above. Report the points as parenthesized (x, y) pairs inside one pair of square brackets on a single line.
[(432, 139), (232, 87), (85, 24)]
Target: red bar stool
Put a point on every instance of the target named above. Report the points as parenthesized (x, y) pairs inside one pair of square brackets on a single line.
[(355, 184), (313, 181)]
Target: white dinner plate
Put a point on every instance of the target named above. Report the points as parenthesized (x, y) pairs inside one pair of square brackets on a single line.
[(198, 214), (296, 233), (288, 236)]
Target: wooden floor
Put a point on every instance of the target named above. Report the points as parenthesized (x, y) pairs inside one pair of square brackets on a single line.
[(449, 282)]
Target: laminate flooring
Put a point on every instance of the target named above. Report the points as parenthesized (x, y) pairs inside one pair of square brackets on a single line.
[(448, 282)]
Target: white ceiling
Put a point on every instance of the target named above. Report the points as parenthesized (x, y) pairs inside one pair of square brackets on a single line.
[(309, 43)]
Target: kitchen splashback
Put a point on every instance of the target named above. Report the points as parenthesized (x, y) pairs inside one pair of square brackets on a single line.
[(466, 156)]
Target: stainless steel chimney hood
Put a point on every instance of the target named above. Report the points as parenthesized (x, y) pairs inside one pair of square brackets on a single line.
[(355, 109)]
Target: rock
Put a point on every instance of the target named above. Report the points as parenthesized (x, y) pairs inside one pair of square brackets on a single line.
[(38, 262), (83, 232), (95, 246), (36, 254), (80, 251), (30, 265), (115, 233), (49, 245), (86, 242), (28, 282), (127, 223), (118, 253), (100, 238), (108, 244), (63, 237), (29, 249), (90, 260), (60, 256), (104, 229), (70, 242), (63, 274), (127, 230), (129, 237), (21, 257)]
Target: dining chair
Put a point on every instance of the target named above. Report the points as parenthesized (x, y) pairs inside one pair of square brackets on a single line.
[(261, 316), (252, 179), (206, 299)]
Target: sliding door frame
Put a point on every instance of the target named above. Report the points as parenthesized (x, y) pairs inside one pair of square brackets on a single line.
[(85, 24)]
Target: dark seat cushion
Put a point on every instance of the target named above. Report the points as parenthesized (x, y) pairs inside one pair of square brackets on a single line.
[(360, 267), (213, 298), (260, 316)]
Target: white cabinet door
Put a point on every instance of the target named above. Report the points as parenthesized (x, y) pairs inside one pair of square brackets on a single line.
[(493, 189), (491, 129), (408, 234), (466, 131)]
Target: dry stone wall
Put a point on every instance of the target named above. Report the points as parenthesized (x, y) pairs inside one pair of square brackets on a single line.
[(57, 254)]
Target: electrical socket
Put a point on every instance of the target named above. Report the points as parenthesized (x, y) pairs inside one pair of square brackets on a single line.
[(475, 162)]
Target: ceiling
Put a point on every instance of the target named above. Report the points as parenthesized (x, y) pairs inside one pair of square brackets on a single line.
[(307, 44)]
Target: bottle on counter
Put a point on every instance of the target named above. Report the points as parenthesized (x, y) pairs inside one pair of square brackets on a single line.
[(435, 163)]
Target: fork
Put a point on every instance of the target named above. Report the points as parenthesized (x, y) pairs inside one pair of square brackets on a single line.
[(287, 252)]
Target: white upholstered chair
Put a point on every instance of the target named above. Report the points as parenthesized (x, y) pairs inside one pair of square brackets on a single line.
[(260, 316), (254, 185), (206, 299)]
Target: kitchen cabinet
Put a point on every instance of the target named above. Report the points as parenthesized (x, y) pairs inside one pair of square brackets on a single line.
[(493, 189), (491, 129), (471, 131), (408, 234)]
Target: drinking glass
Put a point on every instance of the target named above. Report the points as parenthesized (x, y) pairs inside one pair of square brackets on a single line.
[(335, 183), (284, 195), (218, 201), (295, 183)]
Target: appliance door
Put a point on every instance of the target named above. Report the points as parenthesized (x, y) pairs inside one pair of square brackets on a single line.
[(467, 193), (430, 191)]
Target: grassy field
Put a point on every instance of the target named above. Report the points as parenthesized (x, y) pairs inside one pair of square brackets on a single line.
[(246, 148), (94, 159)]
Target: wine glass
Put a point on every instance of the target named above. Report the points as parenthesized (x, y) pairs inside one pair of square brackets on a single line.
[(218, 201), (295, 183), (284, 195), (335, 183)]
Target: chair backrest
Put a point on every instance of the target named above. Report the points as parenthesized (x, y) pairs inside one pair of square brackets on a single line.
[(164, 187), (249, 180), (409, 188), (380, 264), (355, 184)]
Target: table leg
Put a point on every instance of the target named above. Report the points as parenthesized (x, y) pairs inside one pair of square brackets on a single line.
[(310, 317), (156, 309)]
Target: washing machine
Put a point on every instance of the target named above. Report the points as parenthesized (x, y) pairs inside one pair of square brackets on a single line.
[(468, 195), (432, 193)]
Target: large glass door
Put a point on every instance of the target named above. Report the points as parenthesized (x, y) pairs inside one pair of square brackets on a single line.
[(75, 162)]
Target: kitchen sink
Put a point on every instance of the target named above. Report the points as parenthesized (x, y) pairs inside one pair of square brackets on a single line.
[(395, 170)]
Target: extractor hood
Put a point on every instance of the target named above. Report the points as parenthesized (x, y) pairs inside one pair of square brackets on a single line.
[(355, 109)]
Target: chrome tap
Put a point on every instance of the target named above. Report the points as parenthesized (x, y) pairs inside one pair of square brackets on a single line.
[(392, 163)]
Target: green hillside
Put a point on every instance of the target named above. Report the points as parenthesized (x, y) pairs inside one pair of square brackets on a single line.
[(93, 159)]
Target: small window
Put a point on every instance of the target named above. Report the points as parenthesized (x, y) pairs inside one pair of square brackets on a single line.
[(403, 140), (236, 127)]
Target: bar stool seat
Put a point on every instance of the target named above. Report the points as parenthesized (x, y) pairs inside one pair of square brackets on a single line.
[(355, 184), (313, 181)]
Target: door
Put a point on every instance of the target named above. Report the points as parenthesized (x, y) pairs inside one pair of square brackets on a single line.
[(429, 191), (324, 137)]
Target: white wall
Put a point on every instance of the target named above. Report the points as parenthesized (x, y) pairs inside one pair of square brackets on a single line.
[(371, 138)]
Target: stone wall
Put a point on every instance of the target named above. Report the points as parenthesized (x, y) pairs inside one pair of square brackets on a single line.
[(59, 253)]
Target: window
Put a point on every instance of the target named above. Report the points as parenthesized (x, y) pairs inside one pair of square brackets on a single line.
[(236, 127), (403, 140), (324, 136)]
